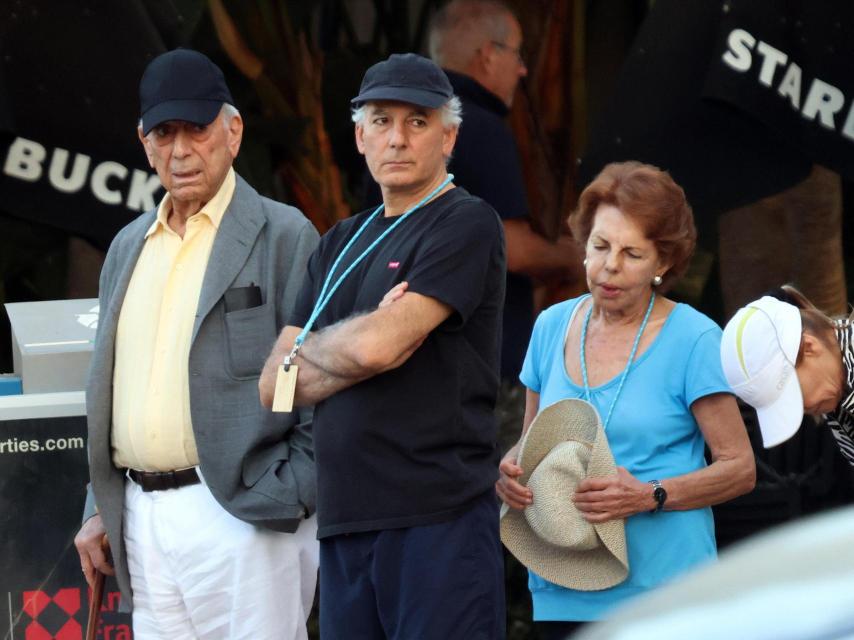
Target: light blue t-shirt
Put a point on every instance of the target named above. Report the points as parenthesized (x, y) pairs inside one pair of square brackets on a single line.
[(652, 433)]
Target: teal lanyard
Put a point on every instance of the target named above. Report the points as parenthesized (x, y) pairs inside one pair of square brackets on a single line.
[(628, 364), (326, 292)]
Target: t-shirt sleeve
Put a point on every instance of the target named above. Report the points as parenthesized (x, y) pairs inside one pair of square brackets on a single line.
[(530, 375), (704, 374), (461, 258), (304, 304), (539, 354)]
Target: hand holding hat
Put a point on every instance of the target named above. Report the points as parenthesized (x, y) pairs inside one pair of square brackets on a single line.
[(605, 498), (513, 494), (564, 445)]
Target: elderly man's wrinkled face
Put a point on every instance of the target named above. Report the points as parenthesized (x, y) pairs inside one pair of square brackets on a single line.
[(192, 160), (404, 145)]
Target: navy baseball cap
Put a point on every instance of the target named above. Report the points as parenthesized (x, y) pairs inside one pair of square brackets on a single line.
[(181, 85), (405, 77)]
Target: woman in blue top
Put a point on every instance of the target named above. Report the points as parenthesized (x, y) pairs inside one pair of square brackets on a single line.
[(652, 369)]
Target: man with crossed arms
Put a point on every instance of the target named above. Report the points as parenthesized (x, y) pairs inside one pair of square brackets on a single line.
[(402, 363)]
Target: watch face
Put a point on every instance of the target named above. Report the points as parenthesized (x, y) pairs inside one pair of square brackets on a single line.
[(660, 495)]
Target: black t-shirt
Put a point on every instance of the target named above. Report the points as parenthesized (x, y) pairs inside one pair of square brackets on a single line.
[(417, 444), (486, 163)]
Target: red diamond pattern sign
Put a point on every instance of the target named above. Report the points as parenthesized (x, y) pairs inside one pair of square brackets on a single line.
[(67, 600)]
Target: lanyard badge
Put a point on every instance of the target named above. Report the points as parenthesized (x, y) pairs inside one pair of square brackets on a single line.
[(286, 377), (286, 383)]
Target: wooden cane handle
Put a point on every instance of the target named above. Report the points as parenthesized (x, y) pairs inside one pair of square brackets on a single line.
[(97, 598)]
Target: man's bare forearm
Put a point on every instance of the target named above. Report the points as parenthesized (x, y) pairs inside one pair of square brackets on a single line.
[(354, 349), (344, 348), (314, 382), (333, 361)]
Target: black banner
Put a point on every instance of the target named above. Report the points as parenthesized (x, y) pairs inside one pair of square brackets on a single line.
[(787, 63), (69, 74), (88, 196), (728, 139), (43, 595)]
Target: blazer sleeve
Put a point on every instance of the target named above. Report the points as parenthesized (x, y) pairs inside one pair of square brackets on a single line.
[(105, 287)]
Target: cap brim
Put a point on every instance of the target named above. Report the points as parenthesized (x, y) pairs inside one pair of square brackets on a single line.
[(195, 111), (419, 97), (781, 419)]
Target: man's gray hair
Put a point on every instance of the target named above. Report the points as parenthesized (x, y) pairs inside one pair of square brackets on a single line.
[(451, 112), (228, 111), (462, 27)]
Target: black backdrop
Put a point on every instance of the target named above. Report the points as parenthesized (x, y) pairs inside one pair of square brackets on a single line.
[(728, 138), (69, 75)]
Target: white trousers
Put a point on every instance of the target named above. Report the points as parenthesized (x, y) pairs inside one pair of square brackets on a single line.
[(197, 572)]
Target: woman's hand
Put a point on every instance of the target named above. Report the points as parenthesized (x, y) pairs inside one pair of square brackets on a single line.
[(507, 487), (393, 294), (610, 497)]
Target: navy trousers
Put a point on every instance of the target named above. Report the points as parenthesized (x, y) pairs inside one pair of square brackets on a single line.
[(433, 582)]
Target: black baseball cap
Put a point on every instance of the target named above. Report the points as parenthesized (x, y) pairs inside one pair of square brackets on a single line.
[(181, 85), (405, 77)]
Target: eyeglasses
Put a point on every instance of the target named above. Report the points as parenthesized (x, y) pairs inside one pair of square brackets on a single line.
[(516, 51)]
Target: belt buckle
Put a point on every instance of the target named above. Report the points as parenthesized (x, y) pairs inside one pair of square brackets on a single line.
[(161, 480)]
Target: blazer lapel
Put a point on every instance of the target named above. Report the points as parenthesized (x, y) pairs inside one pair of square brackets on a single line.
[(235, 238)]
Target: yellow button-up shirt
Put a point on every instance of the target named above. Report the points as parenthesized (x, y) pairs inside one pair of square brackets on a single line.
[(152, 428)]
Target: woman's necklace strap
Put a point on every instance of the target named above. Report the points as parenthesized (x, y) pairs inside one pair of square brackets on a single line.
[(625, 373)]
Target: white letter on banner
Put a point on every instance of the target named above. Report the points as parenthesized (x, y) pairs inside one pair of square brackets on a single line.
[(58, 164), (143, 186), (738, 56), (848, 129), (771, 57), (823, 100), (790, 86), (24, 160), (99, 181)]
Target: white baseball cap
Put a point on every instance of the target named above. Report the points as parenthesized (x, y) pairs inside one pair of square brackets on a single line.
[(759, 349)]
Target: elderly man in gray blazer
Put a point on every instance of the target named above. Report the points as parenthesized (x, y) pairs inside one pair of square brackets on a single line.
[(205, 497)]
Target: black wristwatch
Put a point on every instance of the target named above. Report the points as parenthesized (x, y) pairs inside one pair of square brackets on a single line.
[(660, 495)]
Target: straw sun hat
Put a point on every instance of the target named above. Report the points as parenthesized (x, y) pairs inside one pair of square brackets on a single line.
[(565, 444)]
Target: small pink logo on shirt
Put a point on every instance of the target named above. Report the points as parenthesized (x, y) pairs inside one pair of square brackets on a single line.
[(393, 265)]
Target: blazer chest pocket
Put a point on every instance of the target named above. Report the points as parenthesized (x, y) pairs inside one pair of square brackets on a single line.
[(249, 335)]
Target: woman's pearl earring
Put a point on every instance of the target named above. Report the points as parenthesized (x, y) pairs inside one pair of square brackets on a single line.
[(656, 281), (584, 262)]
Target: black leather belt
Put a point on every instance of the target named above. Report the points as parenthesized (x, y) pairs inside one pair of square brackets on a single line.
[(163, 480)]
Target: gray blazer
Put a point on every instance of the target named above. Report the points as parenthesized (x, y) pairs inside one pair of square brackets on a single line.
[(258, 465)]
